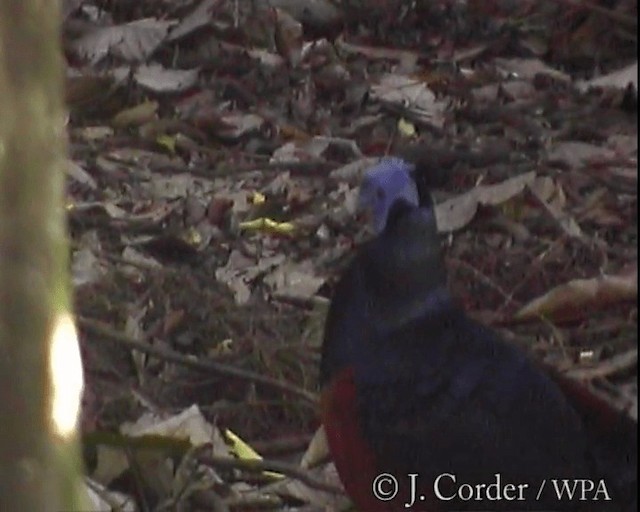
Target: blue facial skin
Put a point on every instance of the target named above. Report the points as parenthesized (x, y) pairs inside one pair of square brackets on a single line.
[(382, 186)]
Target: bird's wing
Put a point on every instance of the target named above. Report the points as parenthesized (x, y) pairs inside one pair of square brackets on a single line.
[(446, 395), (344, 322), (613, 437), (424, 389)]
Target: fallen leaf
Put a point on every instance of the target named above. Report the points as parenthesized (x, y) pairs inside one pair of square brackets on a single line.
[(575, 299), (529, 68), (77, 172), (103, 499), (136, 116), (575, 154), (294, 280), (619, 79), (552, 199), (240, 270), (412, 95), (132, 42), (86, 268), (199, 18), (317, 451), (288, 37), (242, 450), (159, 79), (237, 125), (458, 211), (268, 226)]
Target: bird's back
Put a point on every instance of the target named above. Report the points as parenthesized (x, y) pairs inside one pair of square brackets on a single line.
[(414, 386)]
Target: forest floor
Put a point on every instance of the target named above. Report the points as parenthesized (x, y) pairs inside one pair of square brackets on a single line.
[(216, 150)]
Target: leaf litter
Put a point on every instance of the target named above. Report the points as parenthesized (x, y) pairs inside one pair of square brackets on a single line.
[(216, 147)]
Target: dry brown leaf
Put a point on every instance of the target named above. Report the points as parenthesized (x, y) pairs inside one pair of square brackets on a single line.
[(136, 115), (412, 95), (529, 68), (552, 198), (458, 211), (288, 37), (575, 299), (197, 19), (317, 451), (575, 154), (88, 89), (157, 78), (618, 79), (132, 42)]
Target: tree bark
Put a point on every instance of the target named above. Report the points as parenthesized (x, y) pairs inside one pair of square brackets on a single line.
[(39, 468)]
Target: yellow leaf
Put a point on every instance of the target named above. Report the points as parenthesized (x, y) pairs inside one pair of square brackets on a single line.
[(406, 128), (191, 237), (268, 225), (243, 451), (167, 141), (258, 198)]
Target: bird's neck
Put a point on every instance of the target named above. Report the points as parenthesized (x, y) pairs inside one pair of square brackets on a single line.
[(406, 258), (407, 274), (435, 305)]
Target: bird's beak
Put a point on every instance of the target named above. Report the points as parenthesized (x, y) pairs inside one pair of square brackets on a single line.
[(364, 214)]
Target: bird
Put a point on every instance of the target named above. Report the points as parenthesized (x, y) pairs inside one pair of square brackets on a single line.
[(411, 385)]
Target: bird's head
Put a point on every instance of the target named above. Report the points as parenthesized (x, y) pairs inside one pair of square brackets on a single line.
[(385, 186)]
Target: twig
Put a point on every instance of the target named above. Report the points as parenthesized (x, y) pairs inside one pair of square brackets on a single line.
[(111, 334), (484, 279), (282, 445), (274, 466), (309, 167), (534, 267)]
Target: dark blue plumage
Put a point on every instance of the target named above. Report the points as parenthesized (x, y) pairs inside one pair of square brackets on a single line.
[(437, 392), (393, 194)]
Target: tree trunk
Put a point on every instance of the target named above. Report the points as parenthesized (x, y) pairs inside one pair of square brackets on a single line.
[(39, 468)]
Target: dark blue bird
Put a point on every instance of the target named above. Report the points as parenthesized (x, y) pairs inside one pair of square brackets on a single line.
[(412, 385)]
